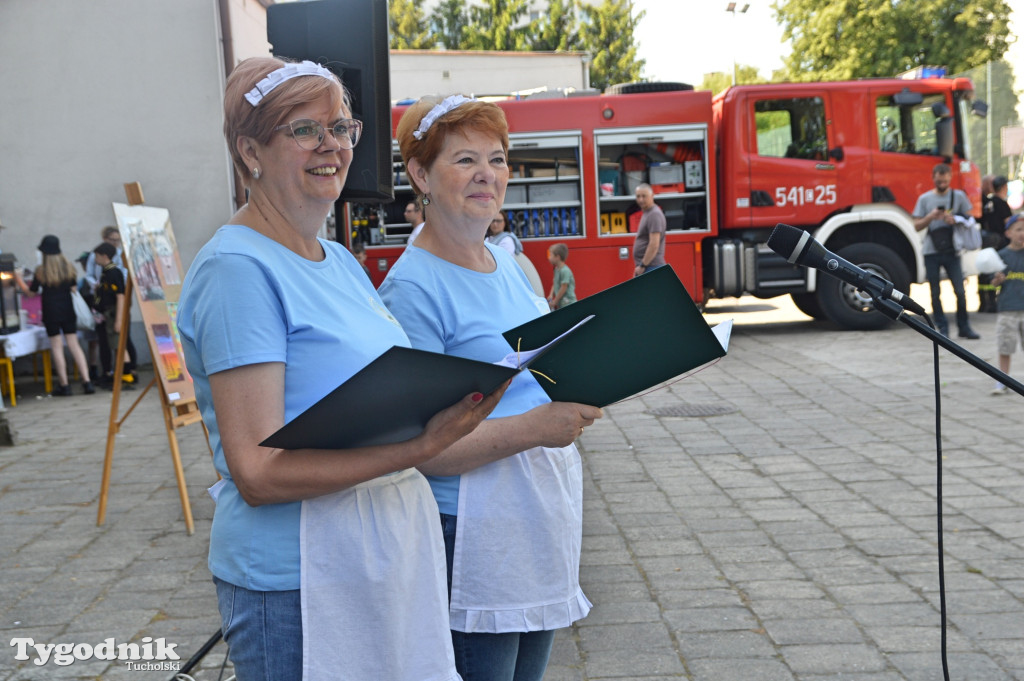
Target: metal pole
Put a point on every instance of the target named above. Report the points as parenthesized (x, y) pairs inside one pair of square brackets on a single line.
[(988, 119)]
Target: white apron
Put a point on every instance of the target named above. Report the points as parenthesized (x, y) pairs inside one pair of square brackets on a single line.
[(374, 589), (517, 545)]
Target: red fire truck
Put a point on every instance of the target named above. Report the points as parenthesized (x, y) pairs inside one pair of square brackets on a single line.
[(843, 160)]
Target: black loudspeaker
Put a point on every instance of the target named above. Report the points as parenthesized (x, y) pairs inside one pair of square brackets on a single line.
[(350, 37)]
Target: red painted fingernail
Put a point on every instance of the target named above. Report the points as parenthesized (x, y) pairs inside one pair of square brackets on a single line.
[(477, 397)]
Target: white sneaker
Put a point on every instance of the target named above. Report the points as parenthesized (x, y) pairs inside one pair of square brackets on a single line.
[(1000, 389)]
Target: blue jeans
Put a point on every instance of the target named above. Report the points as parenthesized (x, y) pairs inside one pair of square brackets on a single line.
[(263, 630), (513, 656), (951, 263)]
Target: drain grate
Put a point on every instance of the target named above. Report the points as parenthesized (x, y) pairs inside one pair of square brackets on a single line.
[(693, 410)]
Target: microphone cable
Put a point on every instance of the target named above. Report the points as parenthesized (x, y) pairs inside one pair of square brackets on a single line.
[(938, 504)]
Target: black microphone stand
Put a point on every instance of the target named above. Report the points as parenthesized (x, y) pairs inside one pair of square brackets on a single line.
[(895, 312)]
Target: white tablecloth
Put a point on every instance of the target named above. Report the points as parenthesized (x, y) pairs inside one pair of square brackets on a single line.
[(25, 342)]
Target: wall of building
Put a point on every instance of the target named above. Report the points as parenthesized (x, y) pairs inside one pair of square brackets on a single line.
[(100, 93), (246, 32), (415, 73)]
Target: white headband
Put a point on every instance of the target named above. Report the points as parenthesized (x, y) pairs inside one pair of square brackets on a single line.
[(439, 110), (286, 72)]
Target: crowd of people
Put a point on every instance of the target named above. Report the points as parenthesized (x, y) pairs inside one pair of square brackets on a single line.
[(101, 288)]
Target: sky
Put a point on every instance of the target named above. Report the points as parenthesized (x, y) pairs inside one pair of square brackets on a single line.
[(681, 40)]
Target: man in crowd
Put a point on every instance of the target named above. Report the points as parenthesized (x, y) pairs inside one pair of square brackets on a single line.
[(936, 212)]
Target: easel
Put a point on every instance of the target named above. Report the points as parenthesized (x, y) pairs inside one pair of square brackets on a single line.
[(176, 414)]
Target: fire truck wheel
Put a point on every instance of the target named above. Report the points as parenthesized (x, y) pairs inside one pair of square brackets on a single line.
[(808, 304), (633, 88), (851, 309)]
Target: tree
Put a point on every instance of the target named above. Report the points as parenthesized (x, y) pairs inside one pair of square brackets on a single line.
[(606, 32), (449, 22), (719, 80), (558, 30), (408, 27), (869, 38), (1002, 111), (494, 26)]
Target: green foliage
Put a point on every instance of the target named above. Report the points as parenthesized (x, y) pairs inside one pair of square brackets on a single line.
[(558, 29), (719, 81), (492, 26), (408, 27), (606, 32), (1002, 103), (845, 39), (449, 23)]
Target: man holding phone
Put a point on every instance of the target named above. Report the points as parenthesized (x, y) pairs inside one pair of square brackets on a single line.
[(936, 212)]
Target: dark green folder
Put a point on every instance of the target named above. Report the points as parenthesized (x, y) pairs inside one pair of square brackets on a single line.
[(389, 400), (645, 331)]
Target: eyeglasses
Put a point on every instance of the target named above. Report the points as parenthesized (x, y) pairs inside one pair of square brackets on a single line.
[(309, 134)]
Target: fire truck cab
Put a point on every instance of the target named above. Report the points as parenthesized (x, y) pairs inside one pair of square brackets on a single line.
[(845, 161)]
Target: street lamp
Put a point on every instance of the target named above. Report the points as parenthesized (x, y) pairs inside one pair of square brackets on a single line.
[(731, 8)]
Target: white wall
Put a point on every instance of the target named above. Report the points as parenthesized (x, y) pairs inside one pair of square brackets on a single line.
[(104, 92), (415, 73)]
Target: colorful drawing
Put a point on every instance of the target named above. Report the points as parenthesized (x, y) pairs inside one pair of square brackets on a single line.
[(168, 351), (156, 275)]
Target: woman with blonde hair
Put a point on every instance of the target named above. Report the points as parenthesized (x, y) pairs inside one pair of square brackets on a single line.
[(56, 277)]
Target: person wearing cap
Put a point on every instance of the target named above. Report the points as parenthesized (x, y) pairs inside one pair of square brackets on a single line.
[(995, 212), (56, 278), (328, 564)]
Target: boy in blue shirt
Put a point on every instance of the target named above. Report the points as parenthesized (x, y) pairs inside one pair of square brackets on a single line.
[(1010, 302)]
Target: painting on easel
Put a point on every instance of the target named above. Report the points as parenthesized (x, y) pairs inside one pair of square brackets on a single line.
[(151, 254)]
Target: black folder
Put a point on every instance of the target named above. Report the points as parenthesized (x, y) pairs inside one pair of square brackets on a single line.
[(389, 400), (642, 332), (645, 331)]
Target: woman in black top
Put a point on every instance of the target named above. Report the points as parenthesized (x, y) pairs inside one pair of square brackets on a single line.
[(56, 277)]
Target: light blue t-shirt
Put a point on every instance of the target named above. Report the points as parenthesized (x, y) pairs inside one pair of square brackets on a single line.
[(447, 308), (248, 300)]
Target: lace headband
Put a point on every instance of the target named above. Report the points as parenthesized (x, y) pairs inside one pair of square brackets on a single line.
[(439, 110), (286, 72)]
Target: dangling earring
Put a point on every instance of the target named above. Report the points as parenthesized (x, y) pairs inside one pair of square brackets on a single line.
[(255, 173), (426, 200)]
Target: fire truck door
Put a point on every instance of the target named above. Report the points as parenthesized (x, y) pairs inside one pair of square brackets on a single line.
[(907, 144), (794, 165)]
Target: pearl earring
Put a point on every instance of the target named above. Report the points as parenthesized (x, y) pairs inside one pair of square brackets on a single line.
[(255, 173)]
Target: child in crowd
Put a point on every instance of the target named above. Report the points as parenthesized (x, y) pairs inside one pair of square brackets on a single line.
[(1010, 302), (111, 303), (563, 287), (359, 250)]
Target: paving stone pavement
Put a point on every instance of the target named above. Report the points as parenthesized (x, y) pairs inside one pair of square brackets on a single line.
[(790, 537)]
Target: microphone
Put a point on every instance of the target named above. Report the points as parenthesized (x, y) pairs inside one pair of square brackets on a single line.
[(799, 248)]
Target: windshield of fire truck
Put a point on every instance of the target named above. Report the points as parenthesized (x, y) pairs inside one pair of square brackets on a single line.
[(907, 129)]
